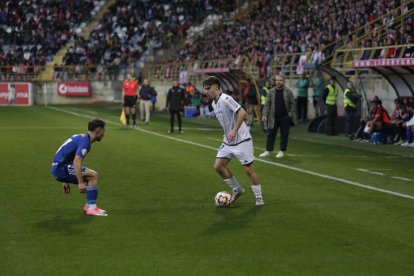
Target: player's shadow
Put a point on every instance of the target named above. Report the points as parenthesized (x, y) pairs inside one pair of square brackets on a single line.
[(232, 221), (65, 224)]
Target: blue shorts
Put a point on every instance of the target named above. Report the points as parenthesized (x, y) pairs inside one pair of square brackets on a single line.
[(66, 173)]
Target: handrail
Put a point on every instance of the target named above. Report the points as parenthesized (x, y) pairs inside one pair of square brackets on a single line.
[(344, 57), (366, 34)]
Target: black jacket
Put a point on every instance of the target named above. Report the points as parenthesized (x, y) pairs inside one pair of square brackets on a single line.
[(175, 99), (146, 92)]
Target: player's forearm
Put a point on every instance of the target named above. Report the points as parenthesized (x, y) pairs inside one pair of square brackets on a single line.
[(77, 164), (241, 114)]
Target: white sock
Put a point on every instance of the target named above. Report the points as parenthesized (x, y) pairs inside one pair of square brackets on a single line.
[(232, 182), (257, 190), (91, 206)]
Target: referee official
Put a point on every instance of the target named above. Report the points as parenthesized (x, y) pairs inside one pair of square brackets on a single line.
[(129, 99)]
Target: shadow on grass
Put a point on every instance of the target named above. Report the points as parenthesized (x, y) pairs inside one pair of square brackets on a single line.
[(65, 224), (233, 219)]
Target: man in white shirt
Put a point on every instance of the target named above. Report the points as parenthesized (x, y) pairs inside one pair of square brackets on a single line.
[(237, 141)]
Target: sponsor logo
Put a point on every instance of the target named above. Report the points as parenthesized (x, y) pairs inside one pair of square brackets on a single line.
[(74, 89)]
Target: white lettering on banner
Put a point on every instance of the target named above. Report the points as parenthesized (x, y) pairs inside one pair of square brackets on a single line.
[(4, 95), (383, 62), (22, 95)]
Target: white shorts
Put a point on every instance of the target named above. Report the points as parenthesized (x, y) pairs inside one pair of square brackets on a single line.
[(243, 151)]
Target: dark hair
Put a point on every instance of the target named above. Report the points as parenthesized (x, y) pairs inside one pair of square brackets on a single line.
[(211, 80), (95, 123)]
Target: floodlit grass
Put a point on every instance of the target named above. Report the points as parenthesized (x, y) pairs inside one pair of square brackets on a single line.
[(322, 216)]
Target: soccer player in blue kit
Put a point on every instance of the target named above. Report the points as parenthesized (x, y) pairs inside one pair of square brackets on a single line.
[(67, 165)]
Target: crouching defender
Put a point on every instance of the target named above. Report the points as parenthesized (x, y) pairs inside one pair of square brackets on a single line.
[(237, 141), (67, 165)]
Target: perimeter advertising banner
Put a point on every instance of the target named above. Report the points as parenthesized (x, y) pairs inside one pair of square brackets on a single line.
[(15, 93), (74, 89)]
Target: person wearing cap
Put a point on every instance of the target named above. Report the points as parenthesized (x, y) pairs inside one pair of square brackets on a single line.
[(330, 96)]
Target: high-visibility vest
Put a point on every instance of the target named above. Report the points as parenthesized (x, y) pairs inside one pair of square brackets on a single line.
[(347, 101), (333, 94), (263, 97)]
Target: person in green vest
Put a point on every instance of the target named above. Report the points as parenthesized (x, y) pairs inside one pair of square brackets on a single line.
[(330, 96), (317, 85), (302, 86), (263, 94), (350, 104)]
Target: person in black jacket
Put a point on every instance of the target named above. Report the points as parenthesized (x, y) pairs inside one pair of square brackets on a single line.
[(175, 104)]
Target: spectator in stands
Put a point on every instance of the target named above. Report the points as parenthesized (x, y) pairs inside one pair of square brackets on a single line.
[(302, 87), (409, 50), (145, 93), (318, 57)]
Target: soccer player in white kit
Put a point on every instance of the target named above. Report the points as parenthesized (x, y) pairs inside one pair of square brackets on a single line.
[(237, 141)]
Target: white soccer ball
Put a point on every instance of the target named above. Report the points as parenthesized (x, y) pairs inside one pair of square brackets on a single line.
[(222, 199)]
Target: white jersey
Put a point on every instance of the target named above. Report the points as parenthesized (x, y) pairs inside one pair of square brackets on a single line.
[(226, 109)]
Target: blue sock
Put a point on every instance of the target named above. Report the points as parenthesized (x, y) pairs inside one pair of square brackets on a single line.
[(91, 194)]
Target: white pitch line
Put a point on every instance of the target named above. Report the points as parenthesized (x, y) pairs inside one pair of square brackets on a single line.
[(35, 127), (348, 182), (371, 172), (401, 178)]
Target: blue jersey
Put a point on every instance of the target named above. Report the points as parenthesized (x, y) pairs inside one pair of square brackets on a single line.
[(78, 144)]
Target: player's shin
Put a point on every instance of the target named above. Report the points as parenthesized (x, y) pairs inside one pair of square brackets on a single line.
[(233, 183), (91, 196)]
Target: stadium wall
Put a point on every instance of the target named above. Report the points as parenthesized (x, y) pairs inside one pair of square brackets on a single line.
[(110, 91)]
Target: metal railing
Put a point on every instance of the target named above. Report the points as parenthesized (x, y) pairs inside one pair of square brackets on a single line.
[(343, 58)]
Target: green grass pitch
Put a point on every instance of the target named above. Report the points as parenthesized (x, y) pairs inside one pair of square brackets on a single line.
[(333, 206)]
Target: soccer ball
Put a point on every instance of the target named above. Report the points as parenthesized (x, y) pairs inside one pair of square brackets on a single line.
[(222, 199)]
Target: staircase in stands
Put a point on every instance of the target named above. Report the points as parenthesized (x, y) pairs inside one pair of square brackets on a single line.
[(48, 72)]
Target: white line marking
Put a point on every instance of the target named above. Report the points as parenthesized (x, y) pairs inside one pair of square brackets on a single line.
[(86, 111), (349, 182), (401, 178), (371, 172), (36, 127)]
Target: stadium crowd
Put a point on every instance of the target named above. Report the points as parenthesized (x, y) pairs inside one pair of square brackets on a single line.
[(32, 31), (131, 30), (274, 28)]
